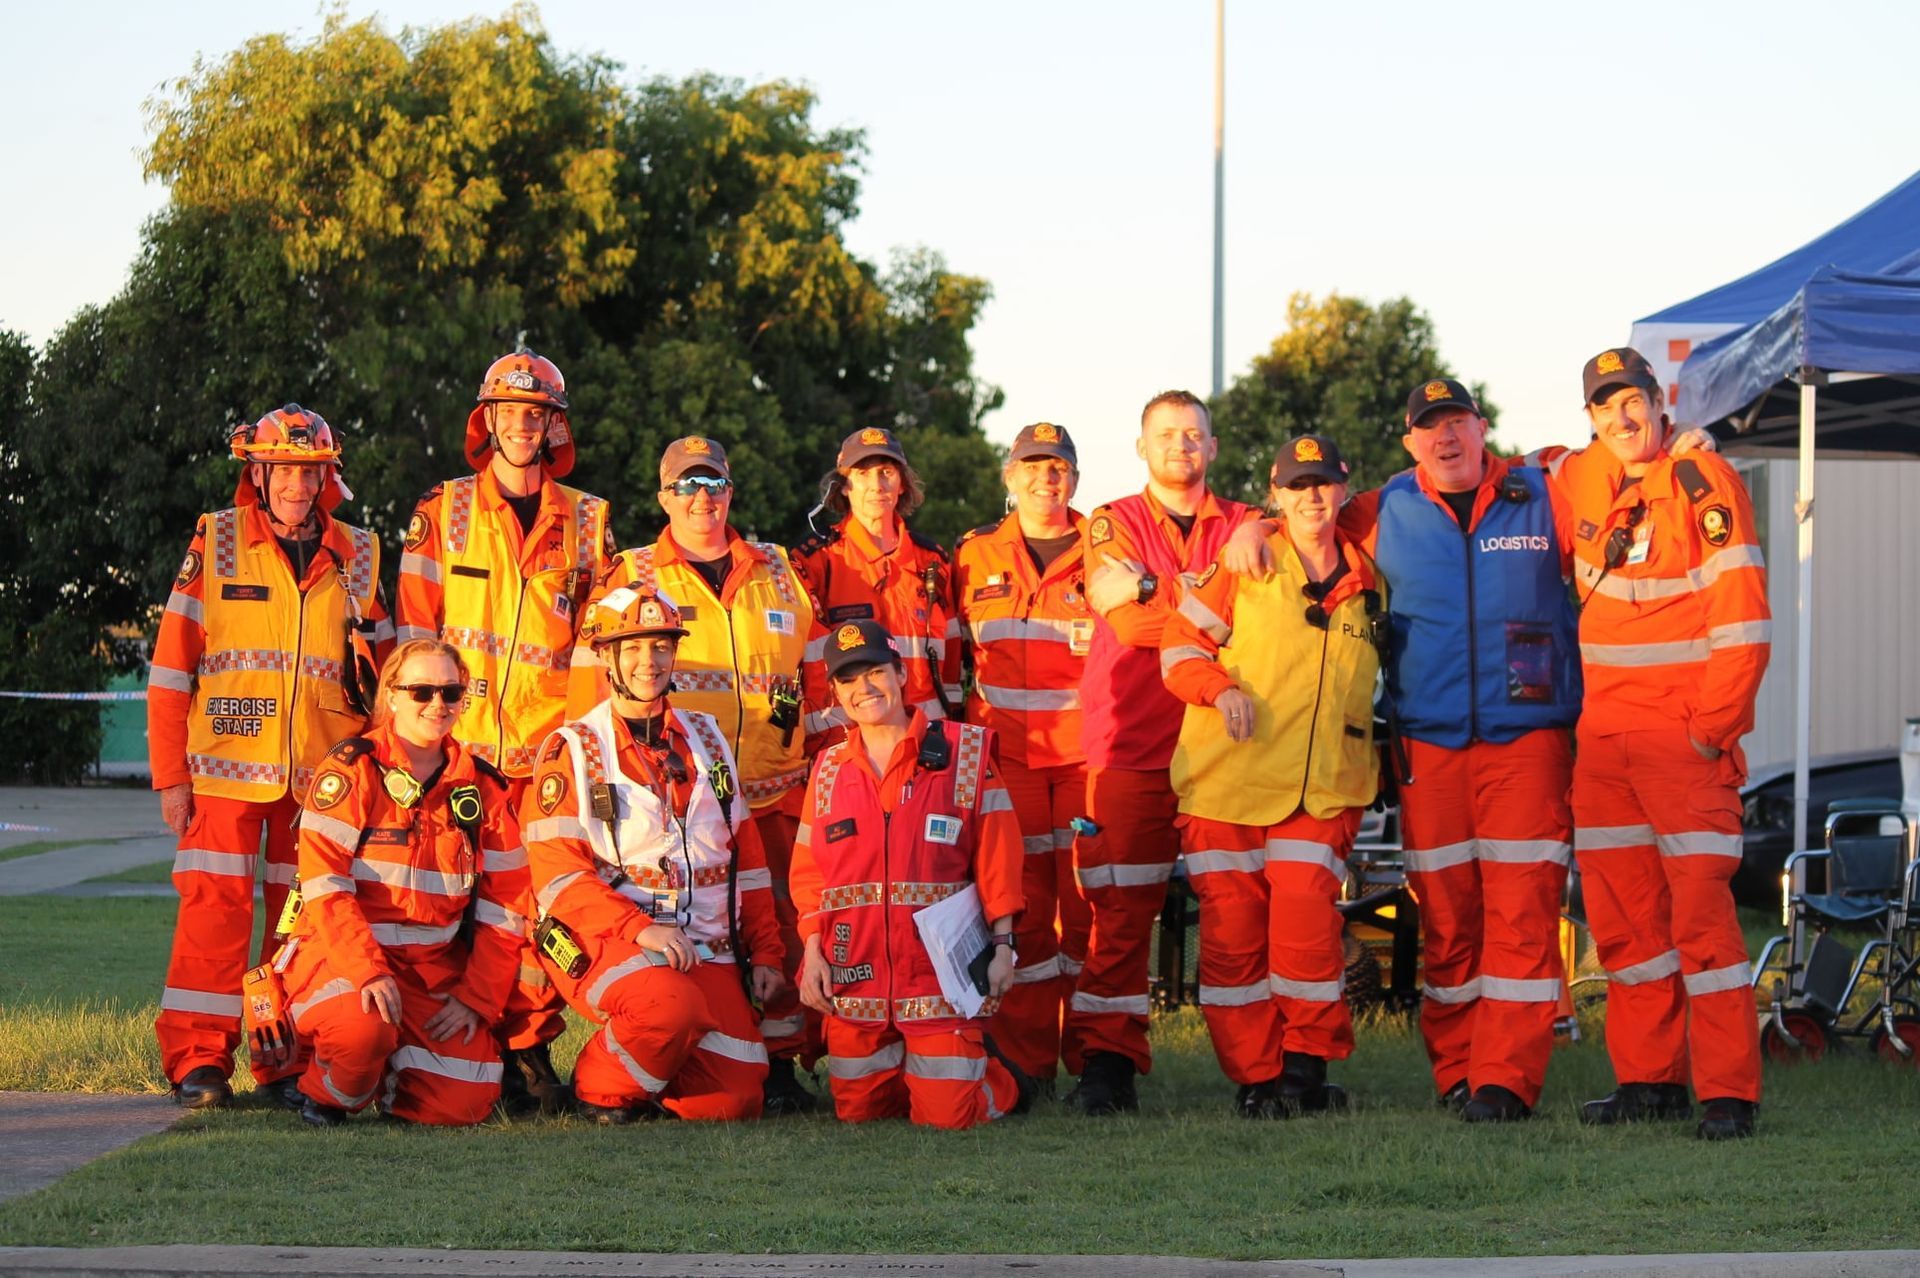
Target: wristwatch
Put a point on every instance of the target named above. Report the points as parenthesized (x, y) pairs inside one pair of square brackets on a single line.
[(1003, 938), (1148, 585)]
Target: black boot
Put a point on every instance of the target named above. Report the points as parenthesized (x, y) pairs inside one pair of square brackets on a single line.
[(314, 1114), (1494, 1104), (1026, 1086), (284, 1093), (1727, 1118), (1304, 1088), (1638, 1103), (1106, 1086), (784, 1093), (204, 1087), (530, 1085), (607, 1115), (1456, 1097), (1259, 1100)]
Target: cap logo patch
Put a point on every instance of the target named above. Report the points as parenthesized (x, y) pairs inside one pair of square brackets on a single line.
[(873, 435), (651, 614), (519, 379), (1046, 433), (1435, 391), (847, 638), (1609, 362), (695, 444), (1306, 450)]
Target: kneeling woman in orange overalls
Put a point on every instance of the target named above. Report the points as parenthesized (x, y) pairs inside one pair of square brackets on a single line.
[(414, 890)]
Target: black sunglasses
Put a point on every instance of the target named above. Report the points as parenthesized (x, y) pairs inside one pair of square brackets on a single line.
[(450, 693), (712, 485)]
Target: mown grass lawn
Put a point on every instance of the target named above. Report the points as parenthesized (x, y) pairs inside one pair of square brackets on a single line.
[(78, 978)]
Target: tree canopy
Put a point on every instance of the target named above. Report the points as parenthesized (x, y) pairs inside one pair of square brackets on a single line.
[(1343, 368)]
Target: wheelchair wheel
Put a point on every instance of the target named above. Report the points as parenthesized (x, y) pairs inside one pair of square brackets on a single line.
[(1908, 1028), (1811, 1032)]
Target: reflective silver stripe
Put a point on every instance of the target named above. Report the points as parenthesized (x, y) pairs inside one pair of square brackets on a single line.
[(754, 880), (494, 914), (781, 1027), (169, 678), (332, 989), (412, 934), (1099, 876), (996, 801), (431, 1062), (958, 1069), (823, 720), (910, 645), (1643, 589), (326, 885), (750, 1050), (1069, 967), (495, 860), (1235, 995), (1462, 993), (179, 1000), (816, 650), (1130, 1004), (1037, 844), (347, 836), (932, 709), (282, 873), (1042, 971), (1307, 852), (407, 878), (604, 982), (1734, 976), (554, 828), (1543, 989), (1028, 698), (653, 1086), (956, 694), (424, 567), (1306, 991), (1220, 860), (1699, 843), (1171, 657), (1430, 860), (383, 630), (407, 634), (1063, 837), (1206, 619), (1042, 629), (349, 1102), (1644, 654), (1656, 968), (185, 605), (233, 865), (1525, 851), (1737, 634), (892, 1056), (1599, 838)]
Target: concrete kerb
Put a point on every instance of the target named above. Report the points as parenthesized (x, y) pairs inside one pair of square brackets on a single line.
[(168, 1262)]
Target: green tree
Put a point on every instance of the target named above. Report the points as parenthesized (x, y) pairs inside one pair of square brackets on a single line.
[(1343, 368)]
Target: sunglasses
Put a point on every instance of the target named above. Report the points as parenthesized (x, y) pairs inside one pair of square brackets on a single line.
[(1307, 482), (712, 485), (450, 693)]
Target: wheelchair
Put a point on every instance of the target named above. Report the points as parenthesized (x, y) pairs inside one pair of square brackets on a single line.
[(1870, 861)]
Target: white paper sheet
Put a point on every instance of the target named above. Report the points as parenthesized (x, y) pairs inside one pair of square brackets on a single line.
[(954, 934)]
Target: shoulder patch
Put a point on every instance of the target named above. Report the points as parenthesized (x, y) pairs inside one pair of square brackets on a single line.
[(329, 789), (1692, 481), (1716, 525), (926, 543), (553, 788), (1100, 531), (349, 749), (189, 571), (417, 530)]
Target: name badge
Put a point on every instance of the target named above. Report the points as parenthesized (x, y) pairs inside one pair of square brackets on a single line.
[(563, 607), (1642, 543), (943, 829), (1080, 636), (780, 623)]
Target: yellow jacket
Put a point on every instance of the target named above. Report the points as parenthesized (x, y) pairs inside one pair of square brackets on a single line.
[(510, 603), (1312, 687)]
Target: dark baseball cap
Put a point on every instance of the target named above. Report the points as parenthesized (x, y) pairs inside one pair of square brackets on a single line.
[(1044, 439), (1438, 393), (866, 444), (858, 645), (1308, 455), (693, 452), (1620, 366)]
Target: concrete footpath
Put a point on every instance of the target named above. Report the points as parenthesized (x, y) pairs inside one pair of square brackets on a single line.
[(45, 1135), (171, 1261), (120, 829)]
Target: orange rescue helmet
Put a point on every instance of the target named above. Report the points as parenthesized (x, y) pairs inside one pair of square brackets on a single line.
[(526, 378), (288, 436), (627, 613)]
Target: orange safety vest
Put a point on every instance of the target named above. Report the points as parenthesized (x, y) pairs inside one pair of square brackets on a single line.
[(510, 603)]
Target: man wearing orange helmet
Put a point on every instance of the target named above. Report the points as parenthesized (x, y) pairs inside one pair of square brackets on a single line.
[(499, 564), (250, 685)]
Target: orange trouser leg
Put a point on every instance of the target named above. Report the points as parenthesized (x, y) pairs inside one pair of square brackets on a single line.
[(789, 1030), (1487, 832), (199, 1022), (724, 1077), (1225, 864), (1027, 1026), (534, 1013), (1657, 829), (345, 1045), (943, 1079), (1123, 871), (1306, 867), (655, 1018)]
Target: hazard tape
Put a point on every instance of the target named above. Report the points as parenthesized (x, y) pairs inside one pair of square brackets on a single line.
[(8, 827), (132, 695)]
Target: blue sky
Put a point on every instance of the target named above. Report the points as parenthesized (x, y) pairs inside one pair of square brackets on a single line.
[(1534, 176)]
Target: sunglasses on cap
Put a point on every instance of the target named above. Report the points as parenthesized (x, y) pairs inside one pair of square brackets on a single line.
[(450, 693), (712, 485)]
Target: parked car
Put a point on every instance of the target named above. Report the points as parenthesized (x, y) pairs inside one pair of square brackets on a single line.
[(1767, 813)]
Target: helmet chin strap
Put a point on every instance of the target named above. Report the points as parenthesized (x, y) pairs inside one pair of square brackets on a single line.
[(541, 455), (620, 685), (262, 481)]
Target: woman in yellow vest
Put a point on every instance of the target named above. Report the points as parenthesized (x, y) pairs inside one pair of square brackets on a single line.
[(1274, 765)]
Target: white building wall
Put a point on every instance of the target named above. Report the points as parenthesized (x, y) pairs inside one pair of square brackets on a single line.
[(1866, 603)]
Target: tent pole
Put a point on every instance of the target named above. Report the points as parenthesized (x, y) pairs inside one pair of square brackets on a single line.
[(1803, 610)]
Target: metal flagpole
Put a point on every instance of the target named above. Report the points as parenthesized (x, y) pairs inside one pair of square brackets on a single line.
[(1219, 193)]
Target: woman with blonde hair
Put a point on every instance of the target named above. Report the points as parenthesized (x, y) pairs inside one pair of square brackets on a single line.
[(414, 900)]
